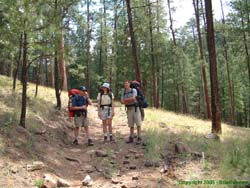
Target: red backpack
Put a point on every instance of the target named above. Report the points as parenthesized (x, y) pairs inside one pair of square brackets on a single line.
[(71, 94)]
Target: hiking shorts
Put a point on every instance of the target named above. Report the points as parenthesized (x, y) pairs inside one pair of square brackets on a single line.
[(106, 113), (134, 116), (81, 121)]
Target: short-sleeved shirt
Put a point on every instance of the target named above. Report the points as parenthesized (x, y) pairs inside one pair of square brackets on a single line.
[(106, 99), (128, 94)]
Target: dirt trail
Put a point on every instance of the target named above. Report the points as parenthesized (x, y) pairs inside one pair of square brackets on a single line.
[(123, 165)]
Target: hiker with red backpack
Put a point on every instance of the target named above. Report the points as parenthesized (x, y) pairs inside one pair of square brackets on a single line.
[(140, 97), (78, 103), (106, 111), (129, 98)]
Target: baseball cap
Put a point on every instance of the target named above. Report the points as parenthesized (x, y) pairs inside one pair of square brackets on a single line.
[(82, 88)]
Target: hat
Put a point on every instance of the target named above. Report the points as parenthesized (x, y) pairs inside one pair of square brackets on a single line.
[(82, 88), (135, 84), (106, 85)]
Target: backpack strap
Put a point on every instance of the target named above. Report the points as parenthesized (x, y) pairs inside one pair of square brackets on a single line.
[(109, 105), (135, 104)]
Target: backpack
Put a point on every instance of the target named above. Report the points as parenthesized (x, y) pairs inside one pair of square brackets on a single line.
[(73, 93), (109, 94), (142, 102)]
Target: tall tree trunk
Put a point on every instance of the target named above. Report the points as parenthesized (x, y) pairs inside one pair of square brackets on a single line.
[(203, 14), (204, 77), (228, 70), (2, 68), (171, 23), (41, 73), (114, 46), (56, 64), (24, 80), (184, 101), (176, 101), (162, 85), (57, 82), (10, 70), (199, 99), (37, 79), (246, 48), (158, 59), (18, 61), (245, 41), (248, 26), (105, 34), (52, 75), (46, 73), (101, 52), (133, 42), (62, 65), (155, 102), (216, 121), (88, 46)]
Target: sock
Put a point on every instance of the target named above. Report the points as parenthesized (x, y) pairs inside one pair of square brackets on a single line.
[(105, 134)]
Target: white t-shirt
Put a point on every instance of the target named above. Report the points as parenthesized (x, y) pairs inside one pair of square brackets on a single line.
[(105, 98)]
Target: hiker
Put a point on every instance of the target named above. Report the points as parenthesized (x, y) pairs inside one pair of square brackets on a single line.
[(133, 111), (106, 110), (79, 105), (140, 97)]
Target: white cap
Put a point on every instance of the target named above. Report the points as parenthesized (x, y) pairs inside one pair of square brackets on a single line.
[(106, 85)]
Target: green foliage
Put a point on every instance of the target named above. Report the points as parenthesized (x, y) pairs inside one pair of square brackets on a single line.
[(155, 142), (110, 57), (39, 183), (237, 157), (8, 122)]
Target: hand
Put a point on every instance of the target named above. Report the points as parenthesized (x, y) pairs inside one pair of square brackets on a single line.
[(86, 94), (99, 114)]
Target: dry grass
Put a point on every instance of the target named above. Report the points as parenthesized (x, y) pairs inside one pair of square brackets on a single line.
[(226, 159), (160, 127)]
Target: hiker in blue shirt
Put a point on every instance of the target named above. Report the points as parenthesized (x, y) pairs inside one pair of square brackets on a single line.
[(79, 106)]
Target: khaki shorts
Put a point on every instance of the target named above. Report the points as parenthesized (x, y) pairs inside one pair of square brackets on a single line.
[(81, 121), (106, 113), (134, 116)]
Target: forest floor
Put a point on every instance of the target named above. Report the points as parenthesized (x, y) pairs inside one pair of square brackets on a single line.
[(47, 139)]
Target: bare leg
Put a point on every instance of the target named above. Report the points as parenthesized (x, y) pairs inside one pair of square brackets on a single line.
[(104, 126), (142, 114), (90, 142), (139, 131), (110, 128), (76, 132), (105, 129), (132, 132), (109, 122), (86, 128)]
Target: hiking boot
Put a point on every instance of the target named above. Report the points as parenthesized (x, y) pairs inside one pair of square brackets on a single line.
[(105, 139), (90, 142), (139, 140), (75, 142), (130, 140), (111, 139)]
